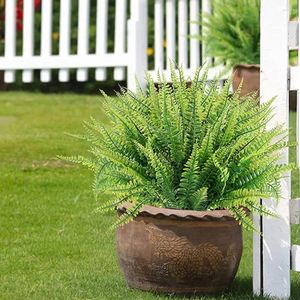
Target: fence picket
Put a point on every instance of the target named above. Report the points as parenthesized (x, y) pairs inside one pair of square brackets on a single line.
[(137, 43), (298, 95), (206, 9), (182, 33), (298, 128), (83, 35), (171, 31), (120, 35), (275, 246), (101, 35), (194, 31), (159, 35), (28, 37), (46, 37), (10, 37), (64, 36)]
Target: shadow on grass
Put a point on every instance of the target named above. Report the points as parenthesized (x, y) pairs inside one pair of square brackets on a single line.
[(240, 290)]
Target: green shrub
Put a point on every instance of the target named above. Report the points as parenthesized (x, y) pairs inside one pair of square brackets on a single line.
[(181, 147), (231, 33)]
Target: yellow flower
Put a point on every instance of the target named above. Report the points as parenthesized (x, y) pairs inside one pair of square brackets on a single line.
[(55, 35), (150, 51)]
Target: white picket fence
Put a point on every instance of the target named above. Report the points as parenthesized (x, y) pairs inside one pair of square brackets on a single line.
[(273, 255), (130, 40)]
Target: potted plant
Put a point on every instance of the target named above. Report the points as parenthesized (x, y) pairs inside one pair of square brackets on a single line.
[(231, 34), (184, 165)]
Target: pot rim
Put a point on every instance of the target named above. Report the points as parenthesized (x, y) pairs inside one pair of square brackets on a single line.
[(160, 212), (246, 66)]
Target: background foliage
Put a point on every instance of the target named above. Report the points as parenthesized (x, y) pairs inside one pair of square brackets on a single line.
[(91, 86)]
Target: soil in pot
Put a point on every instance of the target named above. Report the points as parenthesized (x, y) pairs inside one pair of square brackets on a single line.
[(250, 74), (180, 252)]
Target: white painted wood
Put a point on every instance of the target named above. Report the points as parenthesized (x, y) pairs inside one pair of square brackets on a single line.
[(295, 211), (213, 73), (46, 37), (274, 82), (171, 31), (137, 43), (64, 36), (83, 36), (159, 35), (120, 35), (298, 128), (65, 62), (298, 98), (10, 37), (295, 258), (28, 34), (294, 78), (293, 35), (134, 57), (101, 35), (194, 30), (183, 33), (206, 9), (257, 264)]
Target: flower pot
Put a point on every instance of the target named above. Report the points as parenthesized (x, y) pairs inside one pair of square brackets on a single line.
[(250, 74), (180, 251)]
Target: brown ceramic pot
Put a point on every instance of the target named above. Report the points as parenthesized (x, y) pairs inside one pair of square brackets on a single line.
[(250, 74), (180, 251)]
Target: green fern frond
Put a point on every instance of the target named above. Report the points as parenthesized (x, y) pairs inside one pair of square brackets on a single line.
[(190, 145)]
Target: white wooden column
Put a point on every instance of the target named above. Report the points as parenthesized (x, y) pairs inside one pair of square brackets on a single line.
[(271, 274), (171, 31), (206, 9), (120, 35), (194, 30), (183, 33), (64, 36), (46, 37), (101, 35), (158, 35), (10, 37), (28, 37), (137, 43), (83, 36), (298, 96)]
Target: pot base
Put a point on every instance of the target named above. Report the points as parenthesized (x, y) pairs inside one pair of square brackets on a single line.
[(183, 253), (184, 291)]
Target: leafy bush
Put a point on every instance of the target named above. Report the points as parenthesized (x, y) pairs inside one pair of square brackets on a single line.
[(196, 147), (232, 32)]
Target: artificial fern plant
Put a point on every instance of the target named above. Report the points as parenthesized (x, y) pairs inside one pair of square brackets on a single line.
[(231, 33), (195, 147)]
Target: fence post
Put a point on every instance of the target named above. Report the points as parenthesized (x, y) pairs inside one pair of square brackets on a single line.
[(271, 252), (137, 44)]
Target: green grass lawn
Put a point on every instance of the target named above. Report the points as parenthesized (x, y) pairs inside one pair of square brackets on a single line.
[(52, 244)]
